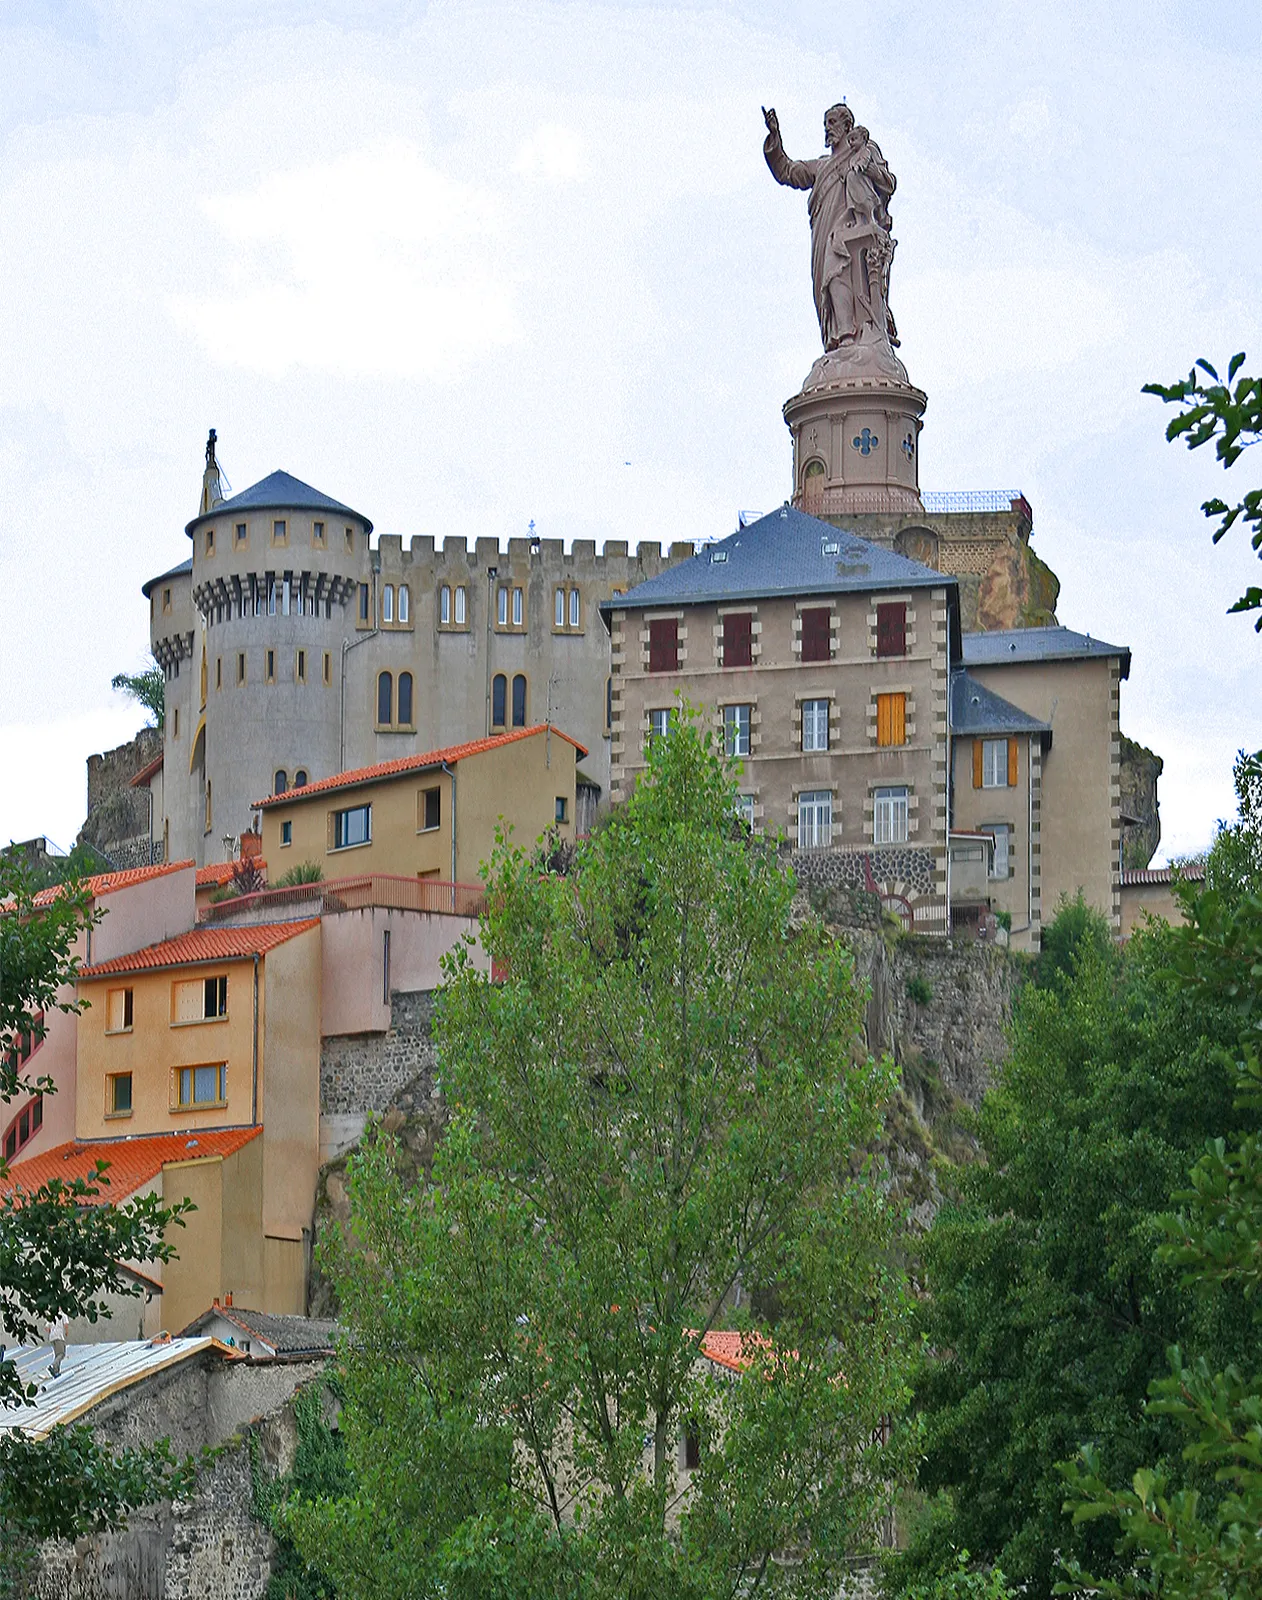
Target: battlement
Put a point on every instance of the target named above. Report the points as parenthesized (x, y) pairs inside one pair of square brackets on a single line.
[(614, 562)]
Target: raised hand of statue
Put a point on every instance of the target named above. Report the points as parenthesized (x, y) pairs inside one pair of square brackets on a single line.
[(773, 126)]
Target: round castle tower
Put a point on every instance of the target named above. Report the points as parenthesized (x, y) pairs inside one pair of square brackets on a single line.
[(249, 633)]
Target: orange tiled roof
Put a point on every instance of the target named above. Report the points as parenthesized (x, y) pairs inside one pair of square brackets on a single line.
[(132, 1161), (220, 872), (726, 1348), (107, 882), (201, 945), (141, 780), (390, 769)]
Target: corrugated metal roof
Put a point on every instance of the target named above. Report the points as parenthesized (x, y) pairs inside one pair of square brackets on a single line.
[(392, 769), (1008, 645), (91, 1373), (978, 710), (785, 552), (133, 1161), (279, 491), (203, 945)]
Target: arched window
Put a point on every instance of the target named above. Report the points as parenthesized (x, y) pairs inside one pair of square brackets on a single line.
[(405, 602), (499, 694), (280, 782), (300, 778), (444, 604), (519, 701), (405, 699), (385, 697), (387, 603)]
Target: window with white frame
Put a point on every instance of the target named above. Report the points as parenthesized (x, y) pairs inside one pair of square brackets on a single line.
[(517, 608), (814, 725), (558, 614), (405, 602), (736, 720), (444, 604), (387, 603), (889, 815), (994, 763), (575, 612), (460, 603), (745, 810), (659, 724), (501, 607), (815, 819), (1000, 862)]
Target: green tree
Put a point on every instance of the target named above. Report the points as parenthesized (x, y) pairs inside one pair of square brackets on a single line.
[(148, 687), (1230, 414), (58, 1254), (1046, 1317), (663, 1102)]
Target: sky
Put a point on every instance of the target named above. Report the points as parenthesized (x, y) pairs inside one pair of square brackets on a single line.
[(465, 266)]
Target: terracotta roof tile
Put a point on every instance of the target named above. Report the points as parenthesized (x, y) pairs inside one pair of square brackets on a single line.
[(1190, 872), (141, 780), (201, 945), (220, 872), (107, 882), (430, 758), (132, 1161)]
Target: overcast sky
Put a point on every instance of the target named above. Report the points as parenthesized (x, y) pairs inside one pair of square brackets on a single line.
[(462, 266)]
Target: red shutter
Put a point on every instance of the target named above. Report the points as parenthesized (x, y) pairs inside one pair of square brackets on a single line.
[(977, 763), (816, 641), (1012, 763), (664, 645), (738, 639), (891, 629)]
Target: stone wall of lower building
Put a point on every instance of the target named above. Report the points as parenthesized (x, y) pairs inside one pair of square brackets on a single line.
[(361, 1073)]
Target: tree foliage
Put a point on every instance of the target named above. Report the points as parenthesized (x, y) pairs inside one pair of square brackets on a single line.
[(1230, 414), (59, 1252), (147, 687), (1047, 1315), (664, 1101)]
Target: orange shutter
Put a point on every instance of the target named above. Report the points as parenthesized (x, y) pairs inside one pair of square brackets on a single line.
[(882, 719), (977, 763), (898, 719), (1012, 763)]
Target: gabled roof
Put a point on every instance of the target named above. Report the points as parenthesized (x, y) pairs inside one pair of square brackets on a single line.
[(132, 1161), (203, 945), (383, 770), (1009, 645), (91, 1373), (978, 710), (103, 883), (141, 780), (184, 568), (783, 553), (279, 491), (285, 1335)]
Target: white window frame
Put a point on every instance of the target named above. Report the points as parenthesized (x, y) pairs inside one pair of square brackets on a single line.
[(517, 608), (387, 603), (737, 725), (460, 604), (659, 723), (745, 810), (1001, 833), (575, 608), (501, 606), (815, 725), (994, 764), (558, 609), (405, 602), (815, 819), (891, 821), (444, 604)]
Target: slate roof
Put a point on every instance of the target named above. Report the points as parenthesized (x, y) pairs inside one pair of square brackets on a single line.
[(784, 553), (202, 945), (91, 1373), (978, 710), (171, 572), (418, 763), (1009, 645), (132, 1161), (279, 491), (286, 1335)]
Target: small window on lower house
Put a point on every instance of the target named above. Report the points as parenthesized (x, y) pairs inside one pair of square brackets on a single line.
[(889, 816), (286, 833), (430, 808), (1001, 861), (745, 810), (563, 809), (119, 1011), (118, 1094), (815, 819), (201, 1086), (659, 724), (351, 827)]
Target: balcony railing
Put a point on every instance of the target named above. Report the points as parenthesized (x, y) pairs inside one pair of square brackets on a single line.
[(372, 890), (944, 500)]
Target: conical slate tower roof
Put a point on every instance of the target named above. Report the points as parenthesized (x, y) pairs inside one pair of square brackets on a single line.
[(279, 491)]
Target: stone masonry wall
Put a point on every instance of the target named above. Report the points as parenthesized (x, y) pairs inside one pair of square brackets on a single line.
[(118, 815), (363, 1073)]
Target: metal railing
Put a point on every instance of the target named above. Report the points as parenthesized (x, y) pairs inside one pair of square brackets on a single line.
[(372, 890), (942, 500)]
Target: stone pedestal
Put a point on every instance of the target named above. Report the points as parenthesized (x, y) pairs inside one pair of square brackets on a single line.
[(856, 434)]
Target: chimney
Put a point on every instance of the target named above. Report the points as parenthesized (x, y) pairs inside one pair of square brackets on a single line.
[(251, 846)]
